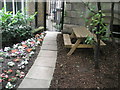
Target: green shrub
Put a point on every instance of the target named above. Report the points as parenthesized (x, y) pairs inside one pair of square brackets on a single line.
[(15, 28)]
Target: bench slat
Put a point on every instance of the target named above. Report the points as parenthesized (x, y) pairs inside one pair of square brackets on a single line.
[(84, 46), (67, 41), (82, 32)]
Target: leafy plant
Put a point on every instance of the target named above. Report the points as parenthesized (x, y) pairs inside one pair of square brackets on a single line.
[(90, 40), (96, 18), (15, 28)]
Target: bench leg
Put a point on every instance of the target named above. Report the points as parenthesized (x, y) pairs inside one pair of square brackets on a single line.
[(72, 35), (74, 47)]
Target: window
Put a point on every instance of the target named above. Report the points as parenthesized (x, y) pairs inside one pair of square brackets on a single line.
[(0, 5), (14, 5)]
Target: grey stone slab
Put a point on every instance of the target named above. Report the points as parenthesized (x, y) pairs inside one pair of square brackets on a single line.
[(49, 47), (51, 34), (34, 83), (50, 38), (49, 42), (68, 7), (45, 62), (37, 72), (47, 53)]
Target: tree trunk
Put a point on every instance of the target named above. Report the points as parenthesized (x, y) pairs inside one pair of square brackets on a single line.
[(111, 23), (97, 45)]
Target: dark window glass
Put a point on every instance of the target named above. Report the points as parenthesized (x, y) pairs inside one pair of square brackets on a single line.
[(9, 6), (0, 5), (18, 6)]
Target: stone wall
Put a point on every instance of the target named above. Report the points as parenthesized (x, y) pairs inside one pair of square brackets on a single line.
[(72, 18), (74, 10), (40, 13), (31, 10)]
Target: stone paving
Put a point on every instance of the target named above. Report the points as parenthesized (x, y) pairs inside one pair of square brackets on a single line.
[(41, 73)]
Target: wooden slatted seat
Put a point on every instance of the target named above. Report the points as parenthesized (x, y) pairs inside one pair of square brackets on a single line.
[(67, 40), (82, 32), (84, 46)]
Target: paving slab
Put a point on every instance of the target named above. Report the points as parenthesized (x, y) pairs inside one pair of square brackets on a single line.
[(34, 83), (41, 73), (49, 47), (49, 42), (37, 72), (45, 62), (50, 39), (47, 53)]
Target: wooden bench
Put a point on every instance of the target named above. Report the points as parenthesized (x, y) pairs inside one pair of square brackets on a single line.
[(80, 33), (68, 43), (67, 40)]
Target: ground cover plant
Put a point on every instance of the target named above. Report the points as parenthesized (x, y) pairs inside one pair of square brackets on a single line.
[(15, 61)]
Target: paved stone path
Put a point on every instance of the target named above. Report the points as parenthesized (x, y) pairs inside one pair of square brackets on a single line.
[(50, 25), (41, 73)]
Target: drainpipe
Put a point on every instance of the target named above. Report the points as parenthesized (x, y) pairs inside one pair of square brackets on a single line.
[(36, 17), (62, 15), (45, 15)]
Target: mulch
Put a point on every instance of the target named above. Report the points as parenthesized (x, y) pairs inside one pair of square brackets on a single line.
[(77, 70)]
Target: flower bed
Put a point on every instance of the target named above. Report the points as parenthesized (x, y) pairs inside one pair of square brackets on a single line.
[(16, 61)]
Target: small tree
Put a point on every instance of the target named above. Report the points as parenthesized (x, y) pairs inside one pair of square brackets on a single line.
[(99, 28), (111, 23)]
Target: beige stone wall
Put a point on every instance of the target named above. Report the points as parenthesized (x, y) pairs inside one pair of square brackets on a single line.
[(40, 13), (106, 9), (31, 10), (30, 6), (72, 18), (73, 11)]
